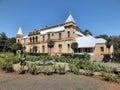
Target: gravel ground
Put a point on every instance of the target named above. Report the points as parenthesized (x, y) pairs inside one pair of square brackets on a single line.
[(14, 81)]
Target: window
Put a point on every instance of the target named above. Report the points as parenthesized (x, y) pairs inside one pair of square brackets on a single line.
[(68, 33), (52, 34), (102, 49), (48, 36), (43, 38), (36, 39), (60, 48), (18, 41), (33, 39), (68, 47), (30, 39), (43, 49), (60, 36)]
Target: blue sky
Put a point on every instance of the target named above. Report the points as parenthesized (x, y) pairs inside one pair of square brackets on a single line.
[(99, 16)]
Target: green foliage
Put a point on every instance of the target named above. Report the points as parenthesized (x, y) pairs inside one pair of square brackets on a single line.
[(106, 58), (6, 65), (36, 54), (22, 59), (61, 69), (87, 32), (75, 70), (34, 49), (84, 56), (3, 39), (21, 70), (109, 76), (74, 45), (49, 70), (50, 43), (15, 47), (32, 68)]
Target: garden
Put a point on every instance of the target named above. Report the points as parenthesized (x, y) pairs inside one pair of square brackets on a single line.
[(51, 65)]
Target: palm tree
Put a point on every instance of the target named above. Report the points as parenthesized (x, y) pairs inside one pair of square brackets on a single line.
[(50, 44), (74, 46)]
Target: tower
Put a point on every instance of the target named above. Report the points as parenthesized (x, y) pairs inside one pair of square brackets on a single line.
[(19, 36)]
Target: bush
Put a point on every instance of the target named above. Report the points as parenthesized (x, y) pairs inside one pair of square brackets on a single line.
[(109, 76), (116, 57), (88, 73), (21, 70), (32, 68), (76, 70), (36, 54), (49, 70), (6, 65), (84, 56), (61, 69)]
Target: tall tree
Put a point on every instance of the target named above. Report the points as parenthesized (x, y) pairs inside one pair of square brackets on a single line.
[(50, 44), (109, 43), (86, 32), (74, 46), (8, 44), (15, 47), (3, 39)]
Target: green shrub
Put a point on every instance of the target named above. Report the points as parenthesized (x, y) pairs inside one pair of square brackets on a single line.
[(49, 70), (109, 76), (6, 65), (61, 69), (36, 54), (76, 70), (108, 69), (106, 58), (32, 68), (21, 70), (88, 73)]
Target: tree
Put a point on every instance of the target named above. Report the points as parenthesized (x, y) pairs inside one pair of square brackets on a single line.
[(104, 36), (86, 32), (109, 43), (34, 49), (8, 44), (74, 46), (50, 44), (15, 47), (3, 39)]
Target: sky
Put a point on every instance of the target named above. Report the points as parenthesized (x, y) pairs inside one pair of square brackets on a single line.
[(98, 16)]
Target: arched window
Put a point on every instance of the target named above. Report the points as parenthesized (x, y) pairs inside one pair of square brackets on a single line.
[(68, 34), (18, 40), (68, 47), (33, 39), (30, 39), (36, 38)]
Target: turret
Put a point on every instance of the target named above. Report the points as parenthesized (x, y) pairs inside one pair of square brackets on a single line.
[(19, 36)]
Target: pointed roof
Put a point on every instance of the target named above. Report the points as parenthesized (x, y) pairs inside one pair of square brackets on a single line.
[(19, 31), (70, 18)]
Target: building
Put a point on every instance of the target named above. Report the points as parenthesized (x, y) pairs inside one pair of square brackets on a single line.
[(62, 35)]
